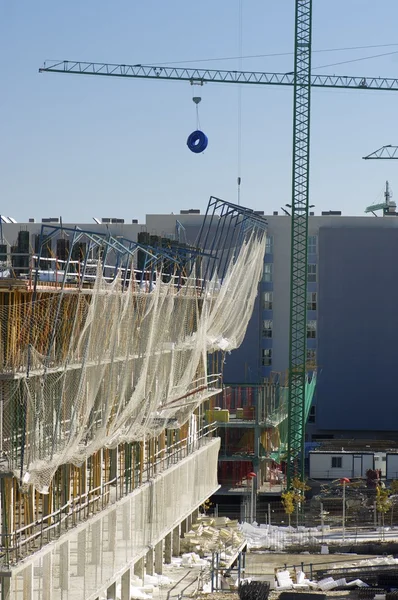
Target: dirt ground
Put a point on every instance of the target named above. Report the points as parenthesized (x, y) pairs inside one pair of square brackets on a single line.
[(265, 563)]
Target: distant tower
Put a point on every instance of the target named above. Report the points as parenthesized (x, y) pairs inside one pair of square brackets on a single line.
[(390, 205)]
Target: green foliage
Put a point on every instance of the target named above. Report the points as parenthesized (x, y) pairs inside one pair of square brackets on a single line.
[(295, 496), (383, 504), (299, 488), (288, 501), (394, 486)]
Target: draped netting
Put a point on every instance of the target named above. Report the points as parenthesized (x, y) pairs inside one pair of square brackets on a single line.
[(92, 368)]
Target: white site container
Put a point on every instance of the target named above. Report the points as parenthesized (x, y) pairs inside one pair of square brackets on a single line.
[(333, 465)]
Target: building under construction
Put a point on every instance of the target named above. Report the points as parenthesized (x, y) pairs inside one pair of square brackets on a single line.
[(111, 350)]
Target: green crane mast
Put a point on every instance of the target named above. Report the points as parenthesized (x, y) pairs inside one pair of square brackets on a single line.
[(299, 240), (301, 80)]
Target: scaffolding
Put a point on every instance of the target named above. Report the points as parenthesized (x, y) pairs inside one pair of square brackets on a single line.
[(104, 353), (252, 422)]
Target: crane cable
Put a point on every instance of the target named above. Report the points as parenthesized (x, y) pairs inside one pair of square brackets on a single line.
[(240, 52)]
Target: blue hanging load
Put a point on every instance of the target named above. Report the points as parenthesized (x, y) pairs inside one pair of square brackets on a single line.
[(197, 141)]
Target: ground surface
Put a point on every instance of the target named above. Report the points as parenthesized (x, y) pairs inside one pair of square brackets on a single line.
[(265, 563)]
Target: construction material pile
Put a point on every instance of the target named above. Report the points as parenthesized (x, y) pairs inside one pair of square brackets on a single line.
[(373, 575), (278, 538), (212, 534)]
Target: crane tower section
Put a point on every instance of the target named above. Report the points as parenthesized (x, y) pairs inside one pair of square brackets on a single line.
[(299, 235)]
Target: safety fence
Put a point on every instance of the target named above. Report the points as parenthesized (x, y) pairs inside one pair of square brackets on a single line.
[(31, 537)]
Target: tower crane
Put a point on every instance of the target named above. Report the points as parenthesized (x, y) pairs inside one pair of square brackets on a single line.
[(302, 81), (387, 152), (388, 206)]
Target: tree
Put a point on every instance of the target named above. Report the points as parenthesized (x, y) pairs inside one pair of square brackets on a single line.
[(295, 497), (288, 503), (383, 503), (299, 489), (394, 486)]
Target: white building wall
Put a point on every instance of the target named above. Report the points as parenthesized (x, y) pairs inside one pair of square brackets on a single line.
[(86, 561), (380, 462), (320, 464), (368, 463)]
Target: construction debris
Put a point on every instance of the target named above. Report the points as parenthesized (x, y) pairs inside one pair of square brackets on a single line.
[(377, 574), (212, 534)]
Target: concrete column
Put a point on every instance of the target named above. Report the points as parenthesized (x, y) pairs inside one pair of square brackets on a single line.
[(159, 558), (189, 523), (96, 542), (81, 553), (167, 548), (127, 520), (64, 566), (113, 455), (47, 579), (176, 541), (139, 568), (149, 562), (5, 588), (111, 592), (112, 531), (28, 582), (195, 516), (183, 527), (125, 593)]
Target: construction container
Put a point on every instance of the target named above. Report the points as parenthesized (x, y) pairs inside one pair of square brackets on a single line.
[(222, 416), (337, 464), (392, 465)]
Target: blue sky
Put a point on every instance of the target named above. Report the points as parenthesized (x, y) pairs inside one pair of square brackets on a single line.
[(88, 146)]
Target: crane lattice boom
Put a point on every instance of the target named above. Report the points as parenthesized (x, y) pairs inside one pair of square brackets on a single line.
[(200, 76), (384, 153)]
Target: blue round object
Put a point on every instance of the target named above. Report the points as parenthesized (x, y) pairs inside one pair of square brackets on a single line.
[(197, 141)]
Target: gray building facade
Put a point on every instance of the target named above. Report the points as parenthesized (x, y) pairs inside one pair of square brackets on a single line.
[(352, 323)]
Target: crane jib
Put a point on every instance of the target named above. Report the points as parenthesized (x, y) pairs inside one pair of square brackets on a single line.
[(216, 76)]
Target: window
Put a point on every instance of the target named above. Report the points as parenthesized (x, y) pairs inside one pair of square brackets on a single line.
[(267, 357), (311, 416), (311, 330), (269, 244), (267, 300), (312, 244), (311, 355), (311, 274), (311, 301), (267, 328), (267, 273), (337, 462)]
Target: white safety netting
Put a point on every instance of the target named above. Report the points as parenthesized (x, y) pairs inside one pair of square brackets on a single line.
[(109, 365), (99, 549)]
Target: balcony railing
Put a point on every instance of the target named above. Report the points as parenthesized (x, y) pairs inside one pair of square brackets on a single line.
[(32, 537)]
